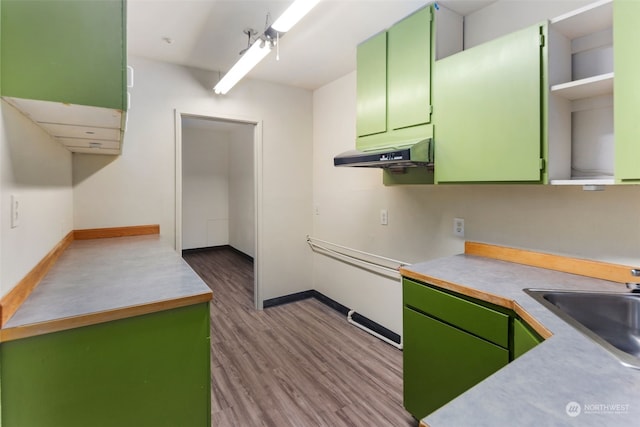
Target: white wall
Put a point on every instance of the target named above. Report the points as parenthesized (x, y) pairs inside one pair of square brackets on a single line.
[(139, 186), (505, 16), (564, 220), (218, 188), (37, 170), (205, 188), (241, 191)]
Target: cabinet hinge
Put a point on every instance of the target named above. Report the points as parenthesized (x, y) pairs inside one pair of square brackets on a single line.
[(430, 15), (542, 164), (430, 109), (541, 40)]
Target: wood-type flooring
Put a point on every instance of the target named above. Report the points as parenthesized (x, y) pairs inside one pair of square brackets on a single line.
[(299, 364)]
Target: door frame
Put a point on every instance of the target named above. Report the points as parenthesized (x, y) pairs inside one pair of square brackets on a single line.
[(257, 187)]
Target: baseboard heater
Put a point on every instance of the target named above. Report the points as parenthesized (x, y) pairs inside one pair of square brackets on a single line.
[(354, 318)]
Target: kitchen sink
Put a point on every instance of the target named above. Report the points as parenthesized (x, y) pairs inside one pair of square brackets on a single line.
[(610, 319)]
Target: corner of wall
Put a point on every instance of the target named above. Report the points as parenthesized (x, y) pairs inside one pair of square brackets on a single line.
[(37, 170)]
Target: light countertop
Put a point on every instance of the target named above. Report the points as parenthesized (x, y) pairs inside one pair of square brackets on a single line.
[(536, 388), (106, 279)]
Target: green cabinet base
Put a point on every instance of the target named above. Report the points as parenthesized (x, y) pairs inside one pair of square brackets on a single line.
[(452, 342), (150, 370), (444, 361), (524, 339)]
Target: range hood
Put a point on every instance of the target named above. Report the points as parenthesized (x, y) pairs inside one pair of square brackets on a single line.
[(408, 154)]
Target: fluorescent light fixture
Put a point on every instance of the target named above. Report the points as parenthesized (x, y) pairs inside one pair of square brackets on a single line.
[(258, 50), (293, 14), (262, 46)]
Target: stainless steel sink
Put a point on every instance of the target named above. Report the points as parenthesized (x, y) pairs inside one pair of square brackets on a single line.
[(610, 319)]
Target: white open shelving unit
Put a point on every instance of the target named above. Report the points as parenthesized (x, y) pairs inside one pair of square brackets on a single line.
[(585, 88), (581, 79)]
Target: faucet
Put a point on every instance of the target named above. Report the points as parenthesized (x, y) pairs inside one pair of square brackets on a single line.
[(634, 286)]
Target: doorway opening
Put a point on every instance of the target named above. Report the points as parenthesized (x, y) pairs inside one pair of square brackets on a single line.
[(218, 169)]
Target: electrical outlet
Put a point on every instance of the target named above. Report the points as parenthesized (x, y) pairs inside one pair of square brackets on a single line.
[(15, 211), (384, 217), (458, 227)]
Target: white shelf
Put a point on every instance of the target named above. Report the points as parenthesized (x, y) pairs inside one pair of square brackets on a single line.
[(584, 181), (581, 134), (585, 20), (585, 88)]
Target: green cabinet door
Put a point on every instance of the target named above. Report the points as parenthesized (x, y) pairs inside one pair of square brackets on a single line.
[(371, 86), (626, 34), (145, 371), (393, 86), (65, 51), (467, 315), (488, 111), (524, 339), (409, 68), (441, 362)]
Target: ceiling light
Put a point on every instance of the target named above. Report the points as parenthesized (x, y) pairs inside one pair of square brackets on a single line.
[(263, 44), (258, 50), (293, 14)]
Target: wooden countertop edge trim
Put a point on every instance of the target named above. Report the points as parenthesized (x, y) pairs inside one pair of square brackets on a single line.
[(41, 328), (104, 233), (481, 295), (531, 321), (583, 267), (10, 303), (461, 289)]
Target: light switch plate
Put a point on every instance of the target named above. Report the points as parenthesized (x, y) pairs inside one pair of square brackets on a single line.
[(384, 217), (15, 211), (458, 227)]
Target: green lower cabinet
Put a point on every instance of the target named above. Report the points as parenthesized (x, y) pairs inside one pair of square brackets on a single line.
[(524, 339), (441, 362), (451, 342), (469, 316), (151, 370)]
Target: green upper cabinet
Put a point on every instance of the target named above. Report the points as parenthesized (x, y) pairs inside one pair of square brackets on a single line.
[(409, 71), (626, 90), (394, 84), (65, 51), (63, 64), (371, 77), (488, 105)]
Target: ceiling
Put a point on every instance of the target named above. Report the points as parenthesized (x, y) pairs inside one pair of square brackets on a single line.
[(208, 34)]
